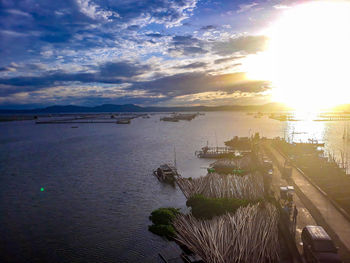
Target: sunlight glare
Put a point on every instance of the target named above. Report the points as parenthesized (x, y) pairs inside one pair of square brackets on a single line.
[(308, 58)]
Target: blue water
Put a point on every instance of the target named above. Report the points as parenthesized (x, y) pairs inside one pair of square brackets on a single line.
[(98, 184)]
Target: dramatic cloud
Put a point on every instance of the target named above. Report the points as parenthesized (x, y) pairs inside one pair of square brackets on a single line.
[(137, 51), (122, 69), (193, 65), (248, 44), (227, 59), (110, 72), (187, 45), (196, 82)]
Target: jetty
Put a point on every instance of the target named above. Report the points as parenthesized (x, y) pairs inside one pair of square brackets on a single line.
[(249, 233), (253, 205), (215, 152), (282, 117), (241, 164), (240, 143)]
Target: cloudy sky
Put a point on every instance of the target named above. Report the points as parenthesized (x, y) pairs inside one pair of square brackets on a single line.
[(159, 52)]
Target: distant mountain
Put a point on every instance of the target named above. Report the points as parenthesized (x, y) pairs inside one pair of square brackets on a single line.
[(135, 108)]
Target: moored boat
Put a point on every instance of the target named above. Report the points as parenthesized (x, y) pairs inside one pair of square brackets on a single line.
[(123, 121), (166, 173)]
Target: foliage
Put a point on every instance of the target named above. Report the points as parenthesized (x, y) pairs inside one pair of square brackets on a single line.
[(206, 208), (167, 231), (162, 221), (163, 216)]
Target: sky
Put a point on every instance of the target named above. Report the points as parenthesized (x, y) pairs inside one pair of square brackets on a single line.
[(159, 52)]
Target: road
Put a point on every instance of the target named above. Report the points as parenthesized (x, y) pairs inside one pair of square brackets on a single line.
[(310, 199)]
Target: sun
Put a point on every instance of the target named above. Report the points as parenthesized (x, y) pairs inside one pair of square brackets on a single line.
[(308, 56)]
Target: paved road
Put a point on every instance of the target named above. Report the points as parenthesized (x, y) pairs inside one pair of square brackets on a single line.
[(304, 217), (333, 218)]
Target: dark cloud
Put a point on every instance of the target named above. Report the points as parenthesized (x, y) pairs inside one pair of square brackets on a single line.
[(193, 50), (193, 65), (227, 59), (155, 35), (180, 41), (4, 69), (197, 82), (122, 69), (187, 45), (22, 67), (110, 72), (134, 27), (70, 33), (248, 44), (208, 28)]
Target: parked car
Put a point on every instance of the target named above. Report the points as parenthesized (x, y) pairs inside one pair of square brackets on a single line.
[(318, 247)]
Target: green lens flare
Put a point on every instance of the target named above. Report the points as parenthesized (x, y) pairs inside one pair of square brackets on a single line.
[(42, 189)]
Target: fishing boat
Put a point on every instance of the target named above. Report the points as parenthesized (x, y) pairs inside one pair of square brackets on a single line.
[(186, 117), (171, 119), (215, 152), (179, 117), (123, 121), (166, 173)]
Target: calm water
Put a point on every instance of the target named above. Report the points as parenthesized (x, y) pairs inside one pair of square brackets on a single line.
[(99, 187)]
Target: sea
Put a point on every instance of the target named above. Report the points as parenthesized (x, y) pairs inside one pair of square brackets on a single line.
[(85, 194)]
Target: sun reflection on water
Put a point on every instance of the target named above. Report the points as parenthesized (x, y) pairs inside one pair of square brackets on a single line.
[(332, 133)]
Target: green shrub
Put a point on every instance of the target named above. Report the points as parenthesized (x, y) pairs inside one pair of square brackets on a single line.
[(162, 230), (163, 216), (206, 208), (162, 221)]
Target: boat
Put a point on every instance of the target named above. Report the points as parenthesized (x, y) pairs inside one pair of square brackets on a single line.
[(186, 117), (178, 117), (241, 143), (123, 121), (166, 173), (215, 152), (171, 119)]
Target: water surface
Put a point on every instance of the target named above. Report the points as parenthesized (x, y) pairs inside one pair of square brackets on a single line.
[(98, 183)]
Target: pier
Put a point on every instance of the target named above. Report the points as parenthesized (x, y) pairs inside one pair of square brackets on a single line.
[(225, 182), (215, 152), (257, 187)]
